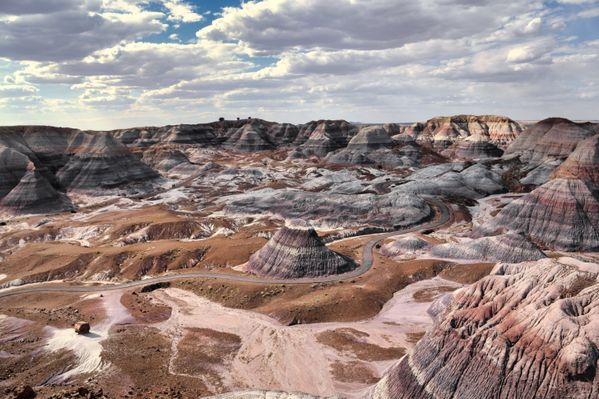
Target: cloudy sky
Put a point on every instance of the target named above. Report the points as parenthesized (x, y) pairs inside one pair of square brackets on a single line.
[(116, 63)]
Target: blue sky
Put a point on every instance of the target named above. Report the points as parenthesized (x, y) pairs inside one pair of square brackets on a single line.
[(209, 10), (114, 63)]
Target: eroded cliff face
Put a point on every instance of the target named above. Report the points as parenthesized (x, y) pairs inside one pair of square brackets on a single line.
[(444, 131), (528, 330)]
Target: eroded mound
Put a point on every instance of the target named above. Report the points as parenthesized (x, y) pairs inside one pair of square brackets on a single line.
[(473, 149), (34, 194), (550, 139), (562, 214), (322, 137), (296, 251), (583, 163), (510, 247), (526, 331), (408, 244), (13, 166)]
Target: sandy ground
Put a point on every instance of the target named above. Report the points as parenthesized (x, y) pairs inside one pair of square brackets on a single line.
[(293, 358), (88, 347)]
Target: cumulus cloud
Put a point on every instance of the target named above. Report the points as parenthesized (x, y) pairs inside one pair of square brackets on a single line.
[(272, 26), (369, 60), (180, 11), (529, 52), (16, 90), (69, 29)]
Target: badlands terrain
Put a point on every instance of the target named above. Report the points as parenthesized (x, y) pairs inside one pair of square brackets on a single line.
[(452, 258)]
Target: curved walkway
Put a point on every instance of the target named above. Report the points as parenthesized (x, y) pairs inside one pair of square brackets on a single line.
[(442, 218)]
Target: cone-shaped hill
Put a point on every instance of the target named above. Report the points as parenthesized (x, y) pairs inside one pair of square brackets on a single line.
[(34, 194), (296, 251)]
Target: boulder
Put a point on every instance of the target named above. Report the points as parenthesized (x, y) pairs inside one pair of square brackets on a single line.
[(82, 327)]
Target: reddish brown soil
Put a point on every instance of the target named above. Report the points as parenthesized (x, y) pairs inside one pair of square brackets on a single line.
[(429, 294), (25, 362), (144, 309), (467, 273), (141, 355), (353, 372), (353, 341), (42, 260), (413, 338), (58, 310), (351, 300), (206, 353)]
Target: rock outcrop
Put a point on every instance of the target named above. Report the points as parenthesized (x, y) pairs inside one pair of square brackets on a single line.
[(143, 137), (510, 247), (444, 131), (325, 137), (529, 330), (283, 133), (169, 160), (82, 327), (331, 209), (369, 139), (71, 159), (296, 251), (473, 148), (454, 180), (373, 146)]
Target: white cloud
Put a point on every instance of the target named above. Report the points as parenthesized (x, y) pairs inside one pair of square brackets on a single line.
[(180, 11), (273, 26), (372, 60), (577, 1), (529, 52), (72, 30), (16, 90), (590, 13)]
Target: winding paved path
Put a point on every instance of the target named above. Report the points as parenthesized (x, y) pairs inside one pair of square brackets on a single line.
[(442, 218)]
